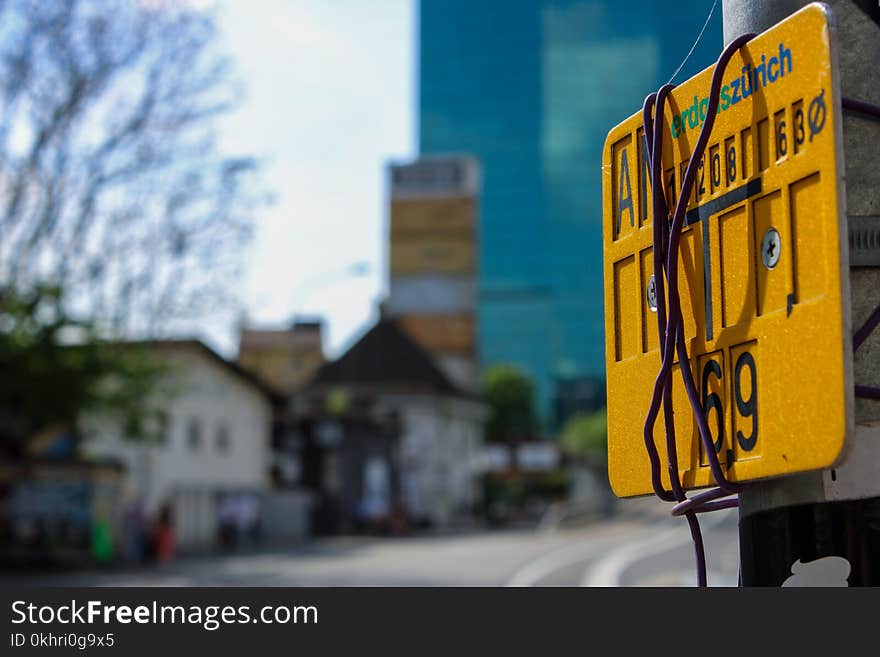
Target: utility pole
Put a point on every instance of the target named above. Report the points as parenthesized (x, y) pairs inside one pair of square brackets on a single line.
[(823, 528)]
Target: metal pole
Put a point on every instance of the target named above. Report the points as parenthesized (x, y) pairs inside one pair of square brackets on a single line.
[(823, 528)]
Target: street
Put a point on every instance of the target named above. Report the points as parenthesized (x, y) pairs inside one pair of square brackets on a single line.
[(640, 546)]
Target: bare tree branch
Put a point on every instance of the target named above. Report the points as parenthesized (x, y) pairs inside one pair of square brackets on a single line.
[(111, 183)]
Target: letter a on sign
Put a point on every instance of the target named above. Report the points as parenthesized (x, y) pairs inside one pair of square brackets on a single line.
[(624, 192)]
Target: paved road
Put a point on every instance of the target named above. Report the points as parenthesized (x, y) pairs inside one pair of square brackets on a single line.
[(641, 546), (663, 555)]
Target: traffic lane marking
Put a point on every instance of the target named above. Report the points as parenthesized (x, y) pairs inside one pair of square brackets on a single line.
[(567, 556), (722, 561), (608, 571)]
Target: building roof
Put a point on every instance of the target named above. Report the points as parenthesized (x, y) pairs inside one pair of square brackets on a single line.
[(300, 333), (231, 366), (386, 357)]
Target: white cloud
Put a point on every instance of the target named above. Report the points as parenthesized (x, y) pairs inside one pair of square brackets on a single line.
[(329, 101)]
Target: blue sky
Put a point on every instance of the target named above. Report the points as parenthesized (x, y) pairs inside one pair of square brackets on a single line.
[(330, 99)]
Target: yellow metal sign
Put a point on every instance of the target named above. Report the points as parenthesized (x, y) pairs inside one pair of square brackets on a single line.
[(762, 268)]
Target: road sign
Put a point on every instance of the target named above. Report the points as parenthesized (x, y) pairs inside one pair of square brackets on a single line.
[(763, 268)]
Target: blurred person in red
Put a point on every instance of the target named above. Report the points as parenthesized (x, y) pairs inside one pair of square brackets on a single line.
[(163, 535)]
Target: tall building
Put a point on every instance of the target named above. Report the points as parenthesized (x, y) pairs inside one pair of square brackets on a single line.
[(531, 88), (432, 259)]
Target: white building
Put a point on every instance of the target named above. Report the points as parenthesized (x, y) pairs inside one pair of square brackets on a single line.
[(440, 454), (438, 461), (216, 441)]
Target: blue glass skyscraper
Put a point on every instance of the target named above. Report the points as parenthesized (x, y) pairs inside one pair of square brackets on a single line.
[(531, 87)]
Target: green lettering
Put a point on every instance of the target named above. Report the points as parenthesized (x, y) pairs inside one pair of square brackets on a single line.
[(694, 114), (725, 97)]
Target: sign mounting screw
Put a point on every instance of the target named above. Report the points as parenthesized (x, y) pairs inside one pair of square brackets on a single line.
[(771, 246), (652, 294)]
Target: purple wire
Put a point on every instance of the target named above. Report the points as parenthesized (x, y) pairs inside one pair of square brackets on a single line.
[(859, 337), (653, 138), (666, 239), (867, 328), (675, 332), (655, 147), (670, 329), (699, 549), (654, 143), (860, 106), (699, 501), (867, 392), (674, 336)]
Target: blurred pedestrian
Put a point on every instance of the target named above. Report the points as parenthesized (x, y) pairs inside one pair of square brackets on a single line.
[(163, 535), (227, 520), (399, 520), (134, 531), (102, 539), (247, 512)]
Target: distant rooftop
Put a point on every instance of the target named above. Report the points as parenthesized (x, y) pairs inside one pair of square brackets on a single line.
[(386, 357), (198, 346), (301, 332)]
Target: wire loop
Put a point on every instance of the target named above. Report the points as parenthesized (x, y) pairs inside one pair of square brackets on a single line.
[(666, 242), (670, 323)]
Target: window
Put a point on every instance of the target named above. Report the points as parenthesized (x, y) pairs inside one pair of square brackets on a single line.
[(153, 425), (222, 440), (194, 434)]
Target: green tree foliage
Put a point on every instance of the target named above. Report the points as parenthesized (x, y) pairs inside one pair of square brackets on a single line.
[(121, 217), (585, 436), (53, 368), (510, 396)]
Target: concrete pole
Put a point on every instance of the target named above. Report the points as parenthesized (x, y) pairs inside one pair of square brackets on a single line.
[(832, 513)]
